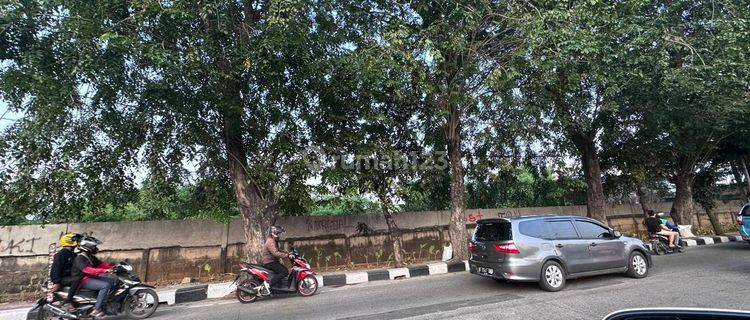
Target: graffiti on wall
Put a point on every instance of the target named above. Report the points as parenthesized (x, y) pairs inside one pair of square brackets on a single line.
[(472, 218), (509, 213), (23, 245), (28, 245), (325, 225)]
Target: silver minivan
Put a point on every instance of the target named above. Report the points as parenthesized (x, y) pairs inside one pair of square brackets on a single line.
[(551, 248)]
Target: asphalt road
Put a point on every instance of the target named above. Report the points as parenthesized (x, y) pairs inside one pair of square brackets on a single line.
[(716, 276)]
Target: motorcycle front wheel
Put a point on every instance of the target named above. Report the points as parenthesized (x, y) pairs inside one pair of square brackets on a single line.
[(246, 297), (43, 313), (142, 304), (308, 286)]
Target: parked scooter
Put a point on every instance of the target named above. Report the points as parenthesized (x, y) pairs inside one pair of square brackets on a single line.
[(301, 279), (129, 296)]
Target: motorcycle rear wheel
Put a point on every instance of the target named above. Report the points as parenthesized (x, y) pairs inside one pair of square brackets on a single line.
[(142, 304), (243, 296)]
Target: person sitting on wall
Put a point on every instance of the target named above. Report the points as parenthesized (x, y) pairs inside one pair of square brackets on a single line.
[(654, 226), (62, 263)]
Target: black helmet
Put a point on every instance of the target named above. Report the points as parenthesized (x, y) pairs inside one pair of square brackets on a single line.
[(276, 230), (89, 244)]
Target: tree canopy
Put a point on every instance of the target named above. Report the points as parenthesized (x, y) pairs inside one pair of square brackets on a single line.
[(192, 109)]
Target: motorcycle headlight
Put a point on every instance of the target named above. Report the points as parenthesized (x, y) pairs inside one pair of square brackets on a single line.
[(127, 267)]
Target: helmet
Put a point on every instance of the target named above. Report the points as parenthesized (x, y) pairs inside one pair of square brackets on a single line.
[(89, 244), (661, 214), (69, 239), (276, 230)]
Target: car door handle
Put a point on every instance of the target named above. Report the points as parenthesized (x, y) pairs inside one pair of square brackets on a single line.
[(593, 244), (559, 245)]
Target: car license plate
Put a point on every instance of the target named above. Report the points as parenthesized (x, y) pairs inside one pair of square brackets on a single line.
[(484, 270)]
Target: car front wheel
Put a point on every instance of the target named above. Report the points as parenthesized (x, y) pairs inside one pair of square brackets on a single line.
[(552, 277)]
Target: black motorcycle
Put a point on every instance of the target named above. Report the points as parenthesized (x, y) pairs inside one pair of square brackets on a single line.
[(129, 296)]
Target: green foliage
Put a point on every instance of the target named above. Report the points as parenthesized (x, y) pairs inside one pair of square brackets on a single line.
[(129, 107), (524, 187), (345, 205), (706, 191)]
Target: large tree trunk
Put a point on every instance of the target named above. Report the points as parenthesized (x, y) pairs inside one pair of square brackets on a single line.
[(394, 232), (252, 206), (682, 207), (714, 221), (743, 166), (457, 228), (394, 235), (593, 175), (642, 199), (742, 191)]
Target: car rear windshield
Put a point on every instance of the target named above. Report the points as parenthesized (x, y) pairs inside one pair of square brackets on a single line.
[(746, 211), (493, 231)]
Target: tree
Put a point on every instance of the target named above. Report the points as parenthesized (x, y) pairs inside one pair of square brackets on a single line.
[(371, 89), (735, 150), (633, 159), (706, 193), (458, 47), (565, 76), (686, 88), (213, 87)]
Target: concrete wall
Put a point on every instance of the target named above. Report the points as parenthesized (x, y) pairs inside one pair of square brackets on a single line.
[(170, 250)]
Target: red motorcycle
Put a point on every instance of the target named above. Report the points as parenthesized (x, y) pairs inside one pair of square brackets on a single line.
[(301, 279)]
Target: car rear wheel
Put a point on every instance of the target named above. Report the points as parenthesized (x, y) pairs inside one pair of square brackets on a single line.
[(637, 266), (552, 277)]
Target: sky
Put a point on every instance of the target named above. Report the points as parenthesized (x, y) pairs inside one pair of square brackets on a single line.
[(6, 117)]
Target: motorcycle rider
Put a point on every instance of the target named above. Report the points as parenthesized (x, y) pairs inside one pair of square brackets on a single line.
[(62, 263), (663, 218), (654, 226), (90, 269), (270, 260), (671, 226)]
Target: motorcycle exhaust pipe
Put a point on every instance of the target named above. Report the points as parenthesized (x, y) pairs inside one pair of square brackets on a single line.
[(60, 312), (248, 290)]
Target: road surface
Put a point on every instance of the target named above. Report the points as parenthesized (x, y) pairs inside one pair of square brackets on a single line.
[(715, 276)]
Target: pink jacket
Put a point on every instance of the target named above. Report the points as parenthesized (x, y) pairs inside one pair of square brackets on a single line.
[(271, 252)]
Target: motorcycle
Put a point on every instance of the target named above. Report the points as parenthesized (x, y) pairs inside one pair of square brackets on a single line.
[(301, 279), (660, 244), (129, 296)]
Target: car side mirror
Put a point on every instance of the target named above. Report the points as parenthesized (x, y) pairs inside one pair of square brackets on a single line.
[(616, 234)]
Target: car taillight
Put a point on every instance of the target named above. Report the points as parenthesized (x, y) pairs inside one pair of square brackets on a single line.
[(740, 220), (471, 247), (507, 248)]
